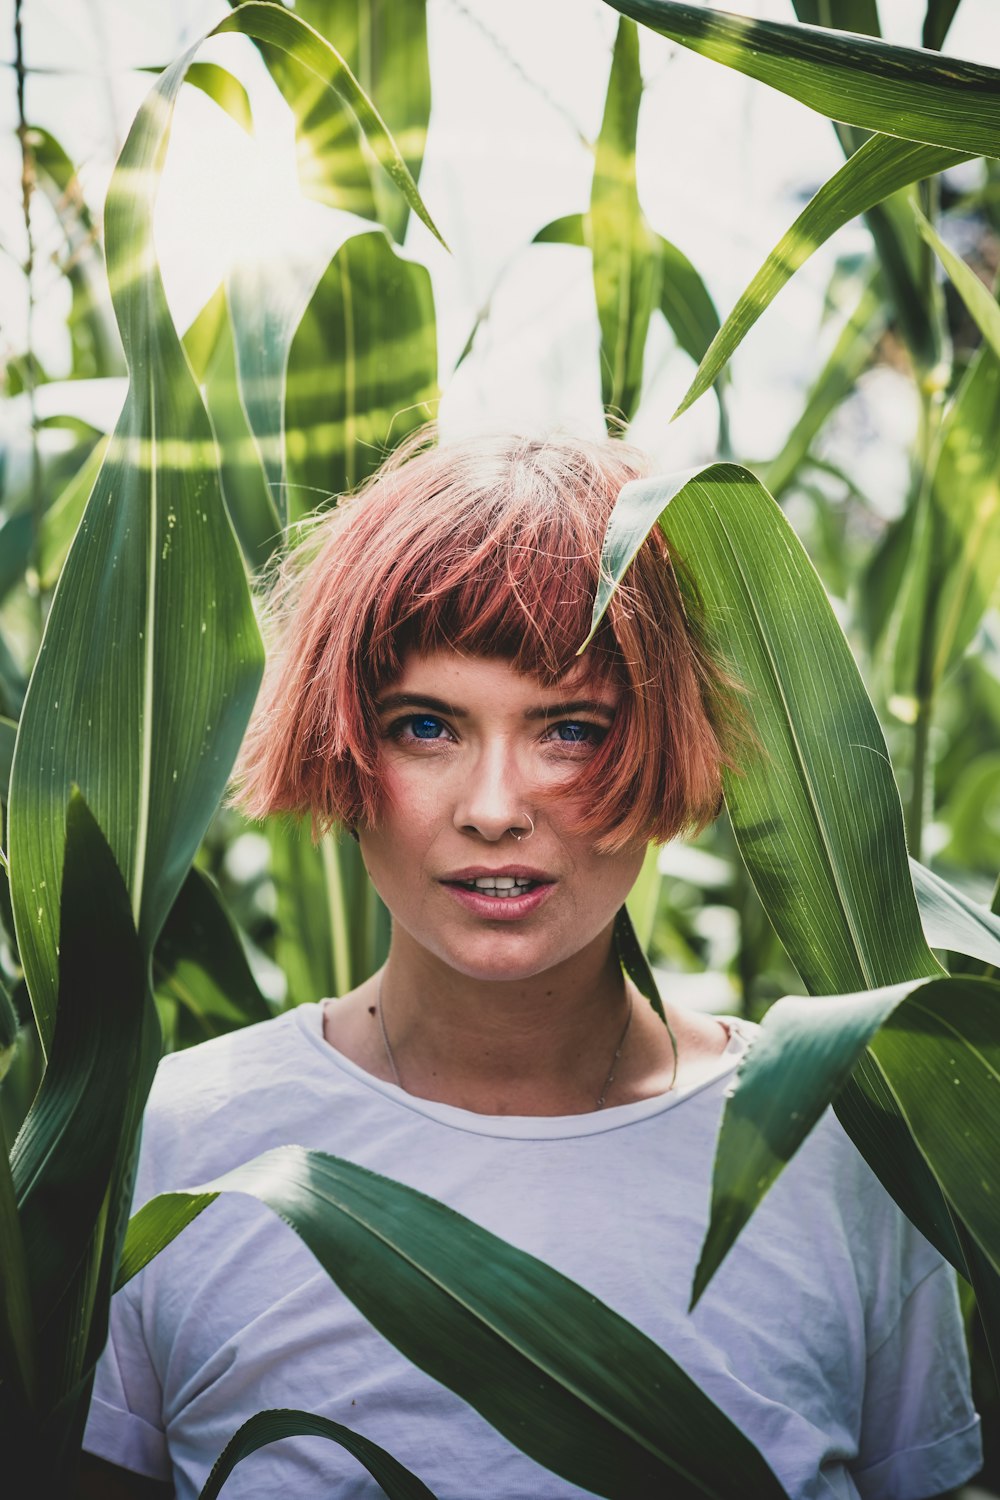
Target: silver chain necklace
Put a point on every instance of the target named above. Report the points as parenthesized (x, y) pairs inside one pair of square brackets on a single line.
[(390, 1058)]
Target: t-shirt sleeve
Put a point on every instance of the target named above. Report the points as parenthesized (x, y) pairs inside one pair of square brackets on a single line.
[(125, 1423), (920, 1432)]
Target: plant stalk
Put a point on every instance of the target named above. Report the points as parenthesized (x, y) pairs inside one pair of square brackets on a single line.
[(27, 189)]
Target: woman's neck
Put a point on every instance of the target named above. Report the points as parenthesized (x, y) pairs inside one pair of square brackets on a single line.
[(539, 1045)]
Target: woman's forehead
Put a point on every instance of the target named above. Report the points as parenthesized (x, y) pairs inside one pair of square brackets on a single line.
[(444, 670)]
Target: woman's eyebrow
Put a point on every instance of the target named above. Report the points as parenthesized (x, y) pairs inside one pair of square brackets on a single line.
[(578, 706), (419, 700), (393, 701)]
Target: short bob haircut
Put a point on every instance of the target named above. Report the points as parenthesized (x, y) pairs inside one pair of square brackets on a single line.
[(490, 547)]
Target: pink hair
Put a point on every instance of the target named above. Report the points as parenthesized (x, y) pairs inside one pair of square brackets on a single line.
[(490, 547)]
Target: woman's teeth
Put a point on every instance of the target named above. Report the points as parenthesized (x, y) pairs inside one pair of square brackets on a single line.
[(500, 886)]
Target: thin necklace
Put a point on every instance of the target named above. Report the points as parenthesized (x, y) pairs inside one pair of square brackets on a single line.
[(399, 1082)]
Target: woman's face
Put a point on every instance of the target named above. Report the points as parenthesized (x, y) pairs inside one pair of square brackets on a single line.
[(471, 751)]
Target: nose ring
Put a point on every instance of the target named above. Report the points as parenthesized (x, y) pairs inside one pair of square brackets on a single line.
[(522, 835)]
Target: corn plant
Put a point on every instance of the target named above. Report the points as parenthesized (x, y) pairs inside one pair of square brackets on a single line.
[(149, 661)]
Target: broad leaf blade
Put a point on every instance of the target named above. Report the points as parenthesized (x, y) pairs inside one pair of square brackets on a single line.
[(275, 25), (878, 169), (940, 14), (940, 1054), (625, 263), (849, 357), (266, 299), (333, 930), (834, 884), (935, 1044), (201, 964), (271, 1426), (841, 15), (685, 301), (901, 91), (362, 370), (953, 570), (151, 657), (952, 920), (979, 300), (253, 510), (803, 1055), (570, 1382), (65, 1155)]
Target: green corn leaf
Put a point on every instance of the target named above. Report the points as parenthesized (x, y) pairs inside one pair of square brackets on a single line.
[(151, 657), (575, 1386), (271, 1426), (685, 301), (219, 85), (836, 887), (849, 357), (17, 1331), (979, 300), (806, 1052), (878, 169), (362, 370), (940, 1056), (860, 80), (953, 920), (332, 161), (224, 90), (385, 46), (16, 539), (333, 930), (626, 266), (571, 229), (8, 735), (898, 247), (841, 15), (201, 964), (266, 299), (64, 1159), (952, 573), (63, 517), (940, 14), (253, 509), (93, 335)]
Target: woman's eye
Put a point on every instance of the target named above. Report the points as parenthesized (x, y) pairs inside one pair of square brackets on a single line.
[(574, 732), (420, 727)]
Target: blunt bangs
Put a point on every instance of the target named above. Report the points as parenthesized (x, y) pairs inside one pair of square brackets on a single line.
[(490, 547)]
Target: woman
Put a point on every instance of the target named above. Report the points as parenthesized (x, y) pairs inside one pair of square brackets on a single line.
[(425, 693)]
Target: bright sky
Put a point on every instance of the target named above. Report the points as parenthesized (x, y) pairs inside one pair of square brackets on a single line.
[(724, 167)]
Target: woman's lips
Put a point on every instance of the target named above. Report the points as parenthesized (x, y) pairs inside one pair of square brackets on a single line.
[(499, 908)]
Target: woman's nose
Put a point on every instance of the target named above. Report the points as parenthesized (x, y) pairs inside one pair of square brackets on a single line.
[(492, 799)]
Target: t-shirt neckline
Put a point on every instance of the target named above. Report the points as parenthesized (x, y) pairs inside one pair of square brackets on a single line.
[(309, 1018)]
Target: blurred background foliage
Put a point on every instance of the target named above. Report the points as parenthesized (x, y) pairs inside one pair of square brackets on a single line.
[(871, 409)]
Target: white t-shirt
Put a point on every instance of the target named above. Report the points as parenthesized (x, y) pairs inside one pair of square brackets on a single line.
[(830, 1335)]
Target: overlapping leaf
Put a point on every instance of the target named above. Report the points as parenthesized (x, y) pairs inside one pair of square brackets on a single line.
[(565, 1378), (901, 91), (145, 707), (362, 370), (200, 962), (878, 169), (384, 43), (271, 1426), (955, 561), (937, 1046), (952, 920), (626, 268), (814, 805)]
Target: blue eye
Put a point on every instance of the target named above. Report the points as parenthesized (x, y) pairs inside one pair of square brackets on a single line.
[(573, 734), (425, 727)]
